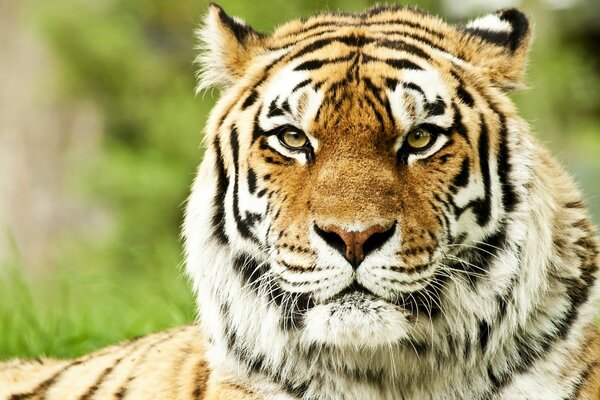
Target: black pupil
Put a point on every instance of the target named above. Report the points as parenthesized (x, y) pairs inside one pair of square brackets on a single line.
[(294, 138)]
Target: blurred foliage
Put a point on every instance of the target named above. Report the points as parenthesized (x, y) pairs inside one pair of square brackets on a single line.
[(134, 60)]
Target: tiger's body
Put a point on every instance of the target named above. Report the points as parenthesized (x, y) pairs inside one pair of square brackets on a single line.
[(371, 220), (166, 365)]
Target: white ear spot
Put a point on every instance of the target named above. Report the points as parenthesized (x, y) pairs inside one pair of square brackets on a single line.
[(490, 22)]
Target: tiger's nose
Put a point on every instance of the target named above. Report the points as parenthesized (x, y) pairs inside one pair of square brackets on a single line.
[(355, 246)]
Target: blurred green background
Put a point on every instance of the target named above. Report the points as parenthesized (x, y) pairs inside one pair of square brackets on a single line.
[(100, 135)]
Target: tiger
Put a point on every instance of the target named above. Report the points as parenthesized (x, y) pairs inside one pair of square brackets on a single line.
[(372, 219)]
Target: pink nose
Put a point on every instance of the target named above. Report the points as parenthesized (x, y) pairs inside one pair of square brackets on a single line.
[(355, 246)]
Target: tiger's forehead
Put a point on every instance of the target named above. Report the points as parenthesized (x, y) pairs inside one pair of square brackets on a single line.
[(376, 20), (357, 68), (357, 87)]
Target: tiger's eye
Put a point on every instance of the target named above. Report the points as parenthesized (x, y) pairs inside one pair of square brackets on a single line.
[(293, 139), (419, 139)]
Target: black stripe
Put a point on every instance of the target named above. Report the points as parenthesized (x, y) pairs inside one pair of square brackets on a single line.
[(300, 37), (274, 110), (401, 45), (482, 207), (494, 37), (271, 160), (575, 204), (310, 48), (519, 24), (416, 88), (372, 88), (242, 226), (438, 107), (255, 85), (250, 99), (251, 177), (355, 40), (417, 37), (122, 391), (102, 377), (578, 291), (391, 83), (490, 247), (250, 270), (253, 218), (256, 131), (509, 194), (293, 306), (462, 178), (497, 380), (318, 63), (530, 348), (43, 387), (457, 125), (461, 92), (201, 375), (376, 112), (482, 257), (425, 301), (382, 99), (301, 85), (484, 335), (218, 219), (464, 95), (399, 63)]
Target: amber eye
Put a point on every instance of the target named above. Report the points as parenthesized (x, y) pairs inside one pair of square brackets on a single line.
[(419, 139), (293, 139)]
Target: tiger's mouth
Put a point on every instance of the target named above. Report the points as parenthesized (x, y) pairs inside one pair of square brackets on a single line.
[(356, 315), (354, 290), (410, 303)]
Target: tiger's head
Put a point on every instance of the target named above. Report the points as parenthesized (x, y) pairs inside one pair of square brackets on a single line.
[(358, 176)]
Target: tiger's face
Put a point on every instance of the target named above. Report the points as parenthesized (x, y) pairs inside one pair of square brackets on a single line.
[(354, 164), (362, 171)]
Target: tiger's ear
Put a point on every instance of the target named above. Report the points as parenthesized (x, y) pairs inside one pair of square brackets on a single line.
[(499, 43), (227, 45)]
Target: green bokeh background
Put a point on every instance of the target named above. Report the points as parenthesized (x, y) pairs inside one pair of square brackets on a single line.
[(133, 60)]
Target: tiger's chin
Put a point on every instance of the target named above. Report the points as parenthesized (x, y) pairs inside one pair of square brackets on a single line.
[(357, 319)]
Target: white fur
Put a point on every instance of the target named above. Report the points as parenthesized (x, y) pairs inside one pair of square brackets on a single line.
[(490, 22)]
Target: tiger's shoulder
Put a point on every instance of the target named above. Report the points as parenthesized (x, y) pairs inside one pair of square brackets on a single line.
[(165, 365)]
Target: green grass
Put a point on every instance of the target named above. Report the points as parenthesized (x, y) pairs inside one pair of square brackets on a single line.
[(77, 310)]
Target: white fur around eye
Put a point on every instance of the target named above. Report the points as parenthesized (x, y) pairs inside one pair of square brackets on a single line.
[(440, 140)]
